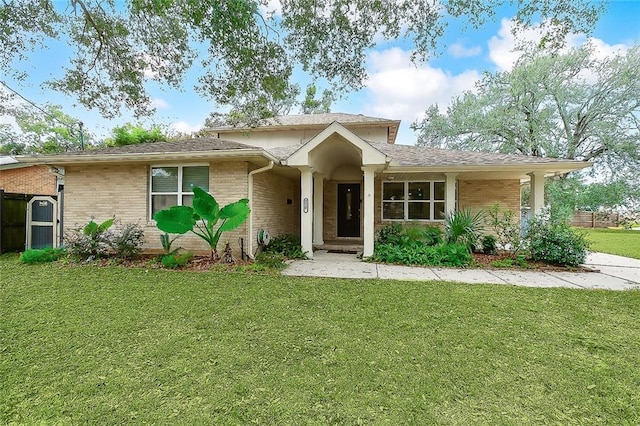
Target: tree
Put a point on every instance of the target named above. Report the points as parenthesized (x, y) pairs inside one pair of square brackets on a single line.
[(311, 105), (44, 131), (247, 53), (566, 105), (130, 134)]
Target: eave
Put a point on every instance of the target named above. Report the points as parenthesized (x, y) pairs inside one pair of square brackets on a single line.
[(253, 155)]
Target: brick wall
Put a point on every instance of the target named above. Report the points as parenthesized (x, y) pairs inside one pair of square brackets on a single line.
[(102, 191), (482, 194), (271, 210), (29, 180)]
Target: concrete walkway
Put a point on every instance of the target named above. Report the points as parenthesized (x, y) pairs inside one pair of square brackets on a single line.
[(616, 272)]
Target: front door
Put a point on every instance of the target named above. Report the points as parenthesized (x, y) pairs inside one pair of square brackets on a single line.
[(349, 210)]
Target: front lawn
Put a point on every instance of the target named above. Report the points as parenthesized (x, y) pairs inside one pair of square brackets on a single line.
[(88, 345), (614, 241)]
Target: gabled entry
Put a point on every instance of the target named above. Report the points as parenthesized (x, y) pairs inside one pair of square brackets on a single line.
[(348, 210)]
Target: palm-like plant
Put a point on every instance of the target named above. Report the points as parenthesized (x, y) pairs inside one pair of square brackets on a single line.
[(463, 227)]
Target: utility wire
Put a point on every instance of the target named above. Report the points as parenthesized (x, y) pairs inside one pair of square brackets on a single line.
[(33, 104)]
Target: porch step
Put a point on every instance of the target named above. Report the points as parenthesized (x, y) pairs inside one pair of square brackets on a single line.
[(349, 246)]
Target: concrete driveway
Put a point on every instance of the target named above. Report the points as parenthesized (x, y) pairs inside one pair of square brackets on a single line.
[(615, 272)]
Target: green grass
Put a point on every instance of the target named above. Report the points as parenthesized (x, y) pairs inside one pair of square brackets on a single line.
[(88, 345), (614, 241)]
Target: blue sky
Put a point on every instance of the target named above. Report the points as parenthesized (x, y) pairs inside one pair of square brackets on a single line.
[(396, 88)]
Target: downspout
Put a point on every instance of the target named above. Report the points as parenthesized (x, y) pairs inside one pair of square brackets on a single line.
[(58, 172), (250, 238)]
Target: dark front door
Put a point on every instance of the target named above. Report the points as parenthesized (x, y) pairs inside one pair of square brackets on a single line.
[(348, 210)]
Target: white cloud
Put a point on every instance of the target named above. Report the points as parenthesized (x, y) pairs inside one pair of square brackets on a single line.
[(271, 8), (159, 103), (458, 50), (503, 53), (184, 127), (400, 90)]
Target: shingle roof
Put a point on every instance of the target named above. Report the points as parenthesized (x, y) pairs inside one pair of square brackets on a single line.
[(308, 120), (422, 156), (185, 145)]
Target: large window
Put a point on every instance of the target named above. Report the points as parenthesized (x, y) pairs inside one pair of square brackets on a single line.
[(413, 200), (173, 185)]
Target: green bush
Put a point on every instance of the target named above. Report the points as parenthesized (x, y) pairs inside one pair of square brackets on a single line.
[(395, 233), (45, 255), (271, 260), (489, 244), (390, 234), (417, 253), (556, 243), (287, 245), (177, 260)]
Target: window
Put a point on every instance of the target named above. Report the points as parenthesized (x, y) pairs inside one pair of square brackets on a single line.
[(413, 200), (173, 185)]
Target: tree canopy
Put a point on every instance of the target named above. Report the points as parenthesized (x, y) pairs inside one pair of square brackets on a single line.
[(130, 134), (245, 52), (568, 105), (44, 131)]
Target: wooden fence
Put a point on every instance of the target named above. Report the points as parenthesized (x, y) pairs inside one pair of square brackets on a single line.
[(595, 219)]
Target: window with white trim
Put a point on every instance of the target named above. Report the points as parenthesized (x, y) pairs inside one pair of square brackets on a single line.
[(173, 185), (420, 200)]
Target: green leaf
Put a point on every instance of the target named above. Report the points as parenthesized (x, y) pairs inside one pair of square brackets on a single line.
[(105, 225), (235, 214), (205, 205), (175, 220), (90, 229)]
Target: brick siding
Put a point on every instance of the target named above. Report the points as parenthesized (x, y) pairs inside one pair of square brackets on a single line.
[(102, 191), (36, 180), (271, 208)]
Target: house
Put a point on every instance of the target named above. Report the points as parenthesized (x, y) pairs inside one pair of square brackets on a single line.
[(324, 177)]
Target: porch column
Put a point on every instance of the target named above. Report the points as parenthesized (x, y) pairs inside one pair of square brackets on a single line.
[(318, 213), (449, 193), (306, 210), (536, 199), (369, 210)]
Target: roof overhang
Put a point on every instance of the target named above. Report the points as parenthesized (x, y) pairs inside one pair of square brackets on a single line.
[(253, 155), (523, 169)]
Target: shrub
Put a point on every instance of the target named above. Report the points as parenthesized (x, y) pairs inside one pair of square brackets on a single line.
[(89, 242), (417, 253), (287, 245), (100, 240), (489, 244), (454, 254), (177, 260), (507, 228), (390, 234), (126, 242), (45, 255), (463, 227), (271, 260), (556, 242), (395, 233)]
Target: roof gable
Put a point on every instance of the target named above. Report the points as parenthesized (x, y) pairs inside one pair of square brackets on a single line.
[(369, 154)]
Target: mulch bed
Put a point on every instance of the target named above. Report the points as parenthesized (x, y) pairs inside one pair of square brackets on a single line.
[(485, 261)]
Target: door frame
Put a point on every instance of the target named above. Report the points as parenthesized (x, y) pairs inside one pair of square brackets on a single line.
[(337, 212), (53, 223)]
